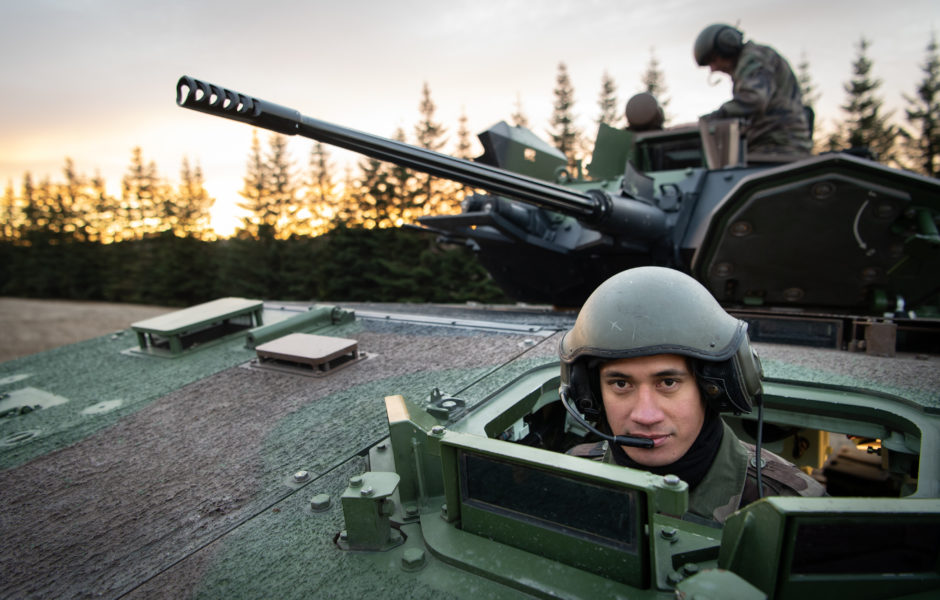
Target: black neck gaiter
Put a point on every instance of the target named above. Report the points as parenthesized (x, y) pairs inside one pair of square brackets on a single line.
[(693, 465)]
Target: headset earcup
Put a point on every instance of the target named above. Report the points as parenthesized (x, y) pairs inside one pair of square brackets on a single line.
[(583, 392), (723, 385), (728, 42)]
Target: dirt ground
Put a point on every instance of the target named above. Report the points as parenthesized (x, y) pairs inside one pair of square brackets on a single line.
[(28, 326)]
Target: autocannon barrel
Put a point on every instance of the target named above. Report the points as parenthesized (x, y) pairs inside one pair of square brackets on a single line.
[(223, 102)]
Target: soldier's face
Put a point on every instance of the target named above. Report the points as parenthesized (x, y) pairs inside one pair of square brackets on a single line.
[(653, 397), (721, 64)]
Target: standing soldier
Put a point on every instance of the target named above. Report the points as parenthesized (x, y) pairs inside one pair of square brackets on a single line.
[(765, 92)]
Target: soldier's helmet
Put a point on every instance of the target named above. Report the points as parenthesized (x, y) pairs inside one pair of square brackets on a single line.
[(717, 39), (654, 310), (644, 112)]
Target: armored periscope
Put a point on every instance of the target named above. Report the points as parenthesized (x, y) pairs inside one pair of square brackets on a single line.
[(253, 449), (826, 233)]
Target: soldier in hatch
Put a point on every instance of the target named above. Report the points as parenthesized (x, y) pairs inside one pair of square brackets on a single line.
[(765, 92), (653, 359)]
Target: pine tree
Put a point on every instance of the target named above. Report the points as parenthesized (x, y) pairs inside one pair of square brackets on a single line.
[(564, 133), (193, 203), (610, 112), (865, 126), (142, 198), (346, 205), (464, 148), (805, 80), (371, 195), (282, 195), (654, 82), (103, 223), (320, 198), (408, 195), (809, 94), (57, 209), (8, 213), (924, 115), (73, 204), (256, 186), (40, 222), (32, 212), (518, 114), (44, 196), (429, 196)]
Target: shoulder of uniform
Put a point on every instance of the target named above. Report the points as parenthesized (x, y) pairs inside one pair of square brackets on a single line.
[(754, 57), (779, 476)]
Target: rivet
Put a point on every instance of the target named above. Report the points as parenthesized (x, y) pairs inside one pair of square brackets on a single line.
[(669, 533), (724, 269), (448, 404), (690, 568), (382, 447), (355, 481), (366, 491), (741, 228), (671, 480), (301, 476), (438, 430), (823, 189), (411, 510), (320, 502), (413, 559)]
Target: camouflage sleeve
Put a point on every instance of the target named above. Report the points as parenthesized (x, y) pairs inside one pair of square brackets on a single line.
[(753, 87)]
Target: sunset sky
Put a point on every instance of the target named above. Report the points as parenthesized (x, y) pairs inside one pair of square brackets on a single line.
[(91, 79)]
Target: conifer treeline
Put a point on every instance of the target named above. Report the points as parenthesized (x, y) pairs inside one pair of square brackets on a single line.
[(79, 208), (312, 199), (346, 264), (309, 233)]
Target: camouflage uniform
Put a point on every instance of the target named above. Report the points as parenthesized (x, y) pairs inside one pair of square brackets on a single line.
[(767, 93), (731, 480)]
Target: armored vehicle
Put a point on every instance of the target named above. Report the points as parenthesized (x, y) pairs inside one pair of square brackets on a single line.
[(250, 449), (828, 233)]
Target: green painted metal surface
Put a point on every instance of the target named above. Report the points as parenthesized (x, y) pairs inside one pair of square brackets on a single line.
[(196, 476)]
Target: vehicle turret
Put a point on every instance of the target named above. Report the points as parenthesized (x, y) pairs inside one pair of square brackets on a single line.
[(833, 232)]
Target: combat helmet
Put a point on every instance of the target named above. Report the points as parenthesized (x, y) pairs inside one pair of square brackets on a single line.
[(723, 40), (644, 113), (655, 310)]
